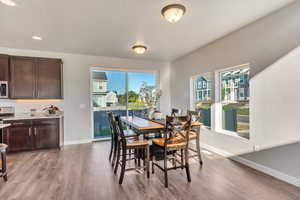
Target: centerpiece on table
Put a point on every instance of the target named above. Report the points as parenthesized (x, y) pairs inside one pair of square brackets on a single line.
[(150, 95), (52, 110)]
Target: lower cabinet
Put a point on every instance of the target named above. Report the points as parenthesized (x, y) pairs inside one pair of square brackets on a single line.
[(25, 135)]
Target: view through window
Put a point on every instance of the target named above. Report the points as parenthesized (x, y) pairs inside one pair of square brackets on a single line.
[(203, 97), (235, 101), (118, 92)]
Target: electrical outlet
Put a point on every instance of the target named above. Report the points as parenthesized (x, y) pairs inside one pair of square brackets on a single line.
[(82, 106)]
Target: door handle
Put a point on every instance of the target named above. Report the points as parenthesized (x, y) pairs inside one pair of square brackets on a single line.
[(34, 131), (29, 133)]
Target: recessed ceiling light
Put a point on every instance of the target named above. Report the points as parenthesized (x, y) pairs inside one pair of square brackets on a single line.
[(37, 37), (8, 2), (173, 12), (139, 49)]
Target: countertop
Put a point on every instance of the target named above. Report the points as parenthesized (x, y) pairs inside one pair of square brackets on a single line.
[(4, 126), (24, 116)]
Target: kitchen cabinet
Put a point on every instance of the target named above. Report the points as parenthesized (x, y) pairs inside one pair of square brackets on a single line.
[(24, 135), (46, 134), (35, 78), (18, 137), (4, 64), (49, 76), (22, 74)]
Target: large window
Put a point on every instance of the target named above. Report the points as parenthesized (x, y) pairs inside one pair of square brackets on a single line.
[(234, 93), (202, 99), (118, 92), (222, 98)]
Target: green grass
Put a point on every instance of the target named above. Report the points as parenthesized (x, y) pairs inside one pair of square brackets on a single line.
[(242, 109), (205, 106)]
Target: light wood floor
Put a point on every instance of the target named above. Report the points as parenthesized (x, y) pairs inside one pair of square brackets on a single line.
[(82, 172)]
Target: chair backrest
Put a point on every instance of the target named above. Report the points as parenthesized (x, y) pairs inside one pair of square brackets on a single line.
[(110, 118), (177, 126), (175, 112), (119, 129), (194, 115)]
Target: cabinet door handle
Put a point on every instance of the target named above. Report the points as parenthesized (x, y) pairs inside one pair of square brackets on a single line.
[(34, 131), (29, 133)]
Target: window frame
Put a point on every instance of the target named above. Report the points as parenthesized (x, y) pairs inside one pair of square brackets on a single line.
[(216, 99), (193, 95), (219, 102)]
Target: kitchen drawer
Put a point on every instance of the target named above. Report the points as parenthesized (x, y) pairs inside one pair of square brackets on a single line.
[(45, 121), (20, 122)]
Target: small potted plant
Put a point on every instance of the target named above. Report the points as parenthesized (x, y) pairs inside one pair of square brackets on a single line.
[(51, 110)]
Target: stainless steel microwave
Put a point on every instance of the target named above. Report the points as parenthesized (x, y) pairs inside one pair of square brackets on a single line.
[(3, 89)]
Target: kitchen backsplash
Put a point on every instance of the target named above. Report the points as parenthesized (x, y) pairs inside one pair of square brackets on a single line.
[(24, 106)]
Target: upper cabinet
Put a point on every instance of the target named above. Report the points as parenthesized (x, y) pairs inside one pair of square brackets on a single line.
[(49, 78), (22, 74), (4, 63), (35, 78)]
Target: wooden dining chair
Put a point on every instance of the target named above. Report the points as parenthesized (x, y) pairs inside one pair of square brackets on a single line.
[(114, 138), (172, 142), (3, 172), (195, 135), (125, 147), (175, 112)]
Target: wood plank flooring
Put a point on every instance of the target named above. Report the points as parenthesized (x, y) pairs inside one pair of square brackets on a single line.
[(82, 172)]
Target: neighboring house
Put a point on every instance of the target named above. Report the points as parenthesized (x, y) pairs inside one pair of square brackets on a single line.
[(111, 99), (99, 89), (235, 85), (203, 89)]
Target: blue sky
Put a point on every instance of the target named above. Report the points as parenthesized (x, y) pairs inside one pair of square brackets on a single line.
[(116, 80)]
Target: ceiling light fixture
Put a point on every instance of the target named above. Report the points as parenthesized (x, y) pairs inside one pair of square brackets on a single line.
[(37, 37), (139, 49), (8, 2), (173, 12)]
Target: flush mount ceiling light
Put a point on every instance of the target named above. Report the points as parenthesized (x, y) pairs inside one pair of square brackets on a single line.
[(37, 37), (173, 12), (8, 2), (139, 49)]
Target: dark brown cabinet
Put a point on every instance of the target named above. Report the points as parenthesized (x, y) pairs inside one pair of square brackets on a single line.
[(48, 74), (4, 63), (22, 73), (35, 78), (24, 135), (46, 134)]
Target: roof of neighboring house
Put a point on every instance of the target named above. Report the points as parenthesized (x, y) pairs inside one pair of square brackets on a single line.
[(100, 76)]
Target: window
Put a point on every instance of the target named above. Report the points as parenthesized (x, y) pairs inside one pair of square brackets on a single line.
[(118, 92), (202, 99), (235, 100)]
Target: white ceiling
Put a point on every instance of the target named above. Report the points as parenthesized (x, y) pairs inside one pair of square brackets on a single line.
[(110, 27)]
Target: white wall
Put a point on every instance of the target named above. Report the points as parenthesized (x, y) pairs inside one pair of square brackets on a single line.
[(77, 87), (260, 44)]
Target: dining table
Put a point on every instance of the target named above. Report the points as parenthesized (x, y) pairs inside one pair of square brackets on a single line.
[(145, 126)]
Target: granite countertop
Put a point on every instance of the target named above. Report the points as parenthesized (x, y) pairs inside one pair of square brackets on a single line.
[(24, 116), (4, 126)]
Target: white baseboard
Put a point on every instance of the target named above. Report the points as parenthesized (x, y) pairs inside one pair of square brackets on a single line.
[(216, 150), (77, 142), (272, 172)]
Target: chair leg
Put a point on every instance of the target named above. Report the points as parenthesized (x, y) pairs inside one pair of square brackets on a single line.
[(3, 160), (123, 166), (198, 149), (166, 168), (187, 166), (118, 158), (148, 160), (181, 156), (115, 151), (111, 148)]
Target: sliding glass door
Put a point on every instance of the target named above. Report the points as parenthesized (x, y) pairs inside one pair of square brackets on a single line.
[(117, 92)]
